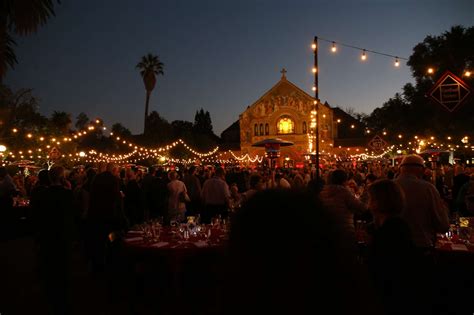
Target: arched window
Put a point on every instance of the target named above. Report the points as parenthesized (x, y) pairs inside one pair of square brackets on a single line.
[(285, 125), (255, 130), (261, 129), (267, 129), (305, 129)]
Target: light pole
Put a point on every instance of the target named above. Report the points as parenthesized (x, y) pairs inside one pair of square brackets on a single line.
[(316, 105)]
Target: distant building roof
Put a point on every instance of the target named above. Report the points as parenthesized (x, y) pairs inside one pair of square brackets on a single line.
[(230, 137)]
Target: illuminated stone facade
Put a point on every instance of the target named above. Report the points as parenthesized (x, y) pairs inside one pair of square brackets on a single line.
[(284, 112)]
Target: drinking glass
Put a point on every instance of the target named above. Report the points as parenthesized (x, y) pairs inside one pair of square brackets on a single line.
[(159, 219), (465, 233)]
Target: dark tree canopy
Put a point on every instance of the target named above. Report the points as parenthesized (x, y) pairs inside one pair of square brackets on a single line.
[(60, 122), (20, 18), (19, 109), (82, 120), (120, 130), (412, 112), (202, 122)]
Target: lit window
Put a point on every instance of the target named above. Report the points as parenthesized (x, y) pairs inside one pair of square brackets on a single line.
[(255, 130), (285, 125), (261, 129)]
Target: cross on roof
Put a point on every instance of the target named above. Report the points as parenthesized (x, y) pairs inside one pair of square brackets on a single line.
[(283, 73)]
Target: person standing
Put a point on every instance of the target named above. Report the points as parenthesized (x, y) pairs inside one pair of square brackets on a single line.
[(193, 185), (215, 196), (105, 215), (7, 191), (133, 202), (391, 250), (425, 212), (55, 239), (178, 196), (342, 202)]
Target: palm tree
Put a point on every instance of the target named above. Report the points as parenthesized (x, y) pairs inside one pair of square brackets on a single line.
[(21, 18), (150, 66)]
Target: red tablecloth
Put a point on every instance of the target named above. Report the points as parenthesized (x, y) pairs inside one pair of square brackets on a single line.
[(454, 252), (186, 270)]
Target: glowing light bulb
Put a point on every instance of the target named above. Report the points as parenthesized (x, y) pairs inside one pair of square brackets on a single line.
[(397, 63), (313, 46), (430, 70), (467, 73), (333, 48), (314, 70), (363, 56)]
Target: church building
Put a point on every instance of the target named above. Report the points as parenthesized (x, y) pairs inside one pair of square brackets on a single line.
[(282, 112)]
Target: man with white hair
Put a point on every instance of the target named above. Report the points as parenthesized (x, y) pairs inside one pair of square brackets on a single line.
[(425, 211)]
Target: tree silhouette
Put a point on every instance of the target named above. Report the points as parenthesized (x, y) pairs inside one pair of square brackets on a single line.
[(21, 18), (82, 120), (412, 112), (150, 66), (60, 122), (202, 122), (19, 110), (120, 130), (158, 129)]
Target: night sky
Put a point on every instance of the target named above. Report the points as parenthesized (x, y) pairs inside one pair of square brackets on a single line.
[(221, 55)]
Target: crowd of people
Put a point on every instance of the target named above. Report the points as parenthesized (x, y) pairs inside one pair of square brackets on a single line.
[(404, 208)]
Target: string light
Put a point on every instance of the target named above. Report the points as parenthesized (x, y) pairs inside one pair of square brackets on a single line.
[(430, 70), (363, 50), (467, 73)]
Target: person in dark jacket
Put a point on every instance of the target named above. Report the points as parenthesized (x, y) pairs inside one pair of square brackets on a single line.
[(133, 202), (105, 215), (55, 239)]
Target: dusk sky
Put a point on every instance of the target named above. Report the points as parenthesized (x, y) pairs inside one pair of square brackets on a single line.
[(221, 55)]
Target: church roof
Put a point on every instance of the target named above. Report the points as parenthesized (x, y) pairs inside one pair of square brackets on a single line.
[(284, 87)]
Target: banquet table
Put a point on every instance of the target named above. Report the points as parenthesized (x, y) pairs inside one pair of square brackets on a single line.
[(171, 241), (454, 251), (185, 268)]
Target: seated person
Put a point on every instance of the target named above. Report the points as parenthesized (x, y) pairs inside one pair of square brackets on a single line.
[(392, 254), (288, 255)]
